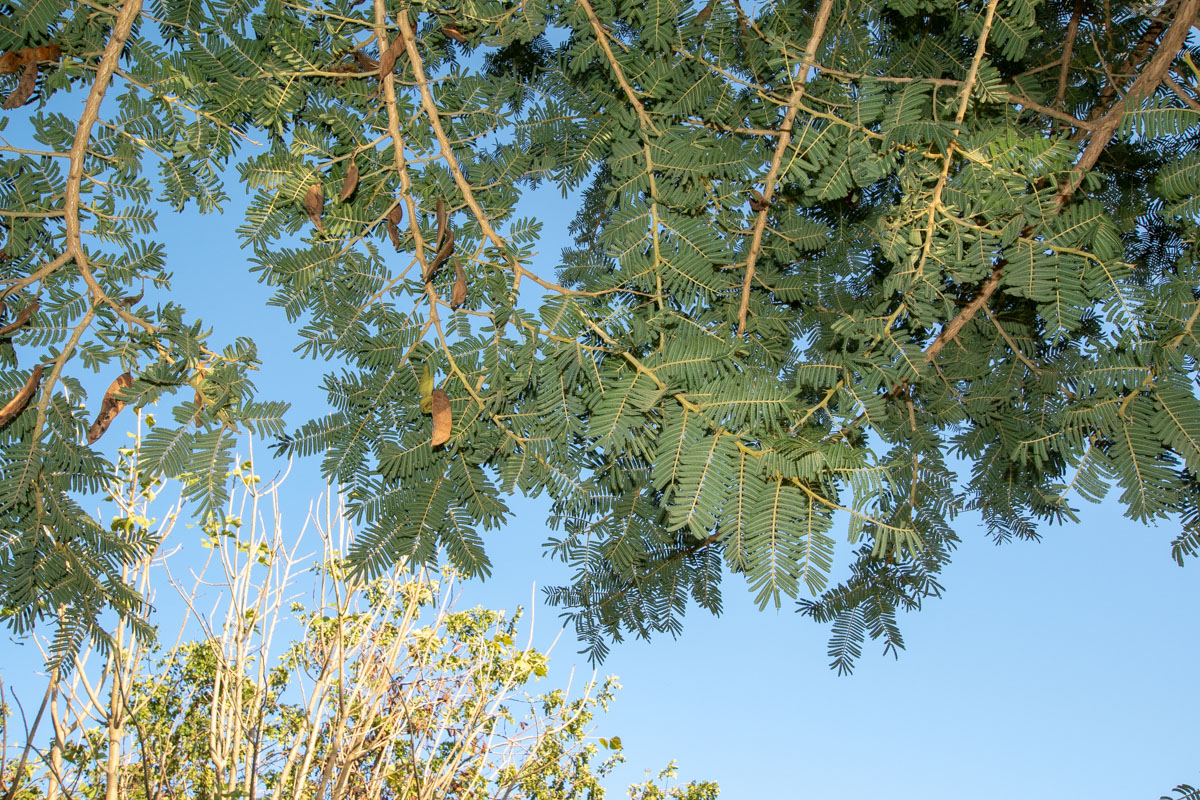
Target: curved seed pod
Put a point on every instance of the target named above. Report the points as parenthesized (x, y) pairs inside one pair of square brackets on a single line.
[(441, 418), (452, 32), (14, 60), (21, 319), (445, 252), (25, 86), (15, 406), (109, 407), (314, 204), (425, 385), (458, 295), (757, 201), (393, 224), (350, 183)]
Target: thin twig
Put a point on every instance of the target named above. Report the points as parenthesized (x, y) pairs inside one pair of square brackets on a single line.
[(1068, 50)]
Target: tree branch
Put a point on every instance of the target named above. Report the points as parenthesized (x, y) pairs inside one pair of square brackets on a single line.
[(460, 180), (1068, 50), (602, 38), (785, 138)]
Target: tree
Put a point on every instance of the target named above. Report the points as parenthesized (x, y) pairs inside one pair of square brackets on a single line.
[(368, 690), (828, 256)]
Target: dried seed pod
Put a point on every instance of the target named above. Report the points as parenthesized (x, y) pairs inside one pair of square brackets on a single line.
[(351, 182), (15, 406), (447, 249), (443, 221), (452, 32), (387, 58), (441, 417), (25, 86), (14, 60), (22, 317), (392, 223), (425, 386), (458, 295), (109, 407), (757, 201), (314, 204)]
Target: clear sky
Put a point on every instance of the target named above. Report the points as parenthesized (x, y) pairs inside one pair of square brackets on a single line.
[(1049, 669), (1060, 668)]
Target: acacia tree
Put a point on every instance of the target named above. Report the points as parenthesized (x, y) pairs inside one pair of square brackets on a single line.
[(828, 255)]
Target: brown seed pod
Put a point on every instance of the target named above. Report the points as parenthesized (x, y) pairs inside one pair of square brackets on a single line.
[(14, 60), (387, 58), (21, 319), (109, 407), (447, 249), (15, 406), (25, 86), (314, 204), (758, 203), (458, 295), (441, 417), (351, 182), (452, 32), (393, 224), (443, 220)]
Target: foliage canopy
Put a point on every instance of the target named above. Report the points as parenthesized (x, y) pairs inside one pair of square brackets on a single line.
[(829, 255)]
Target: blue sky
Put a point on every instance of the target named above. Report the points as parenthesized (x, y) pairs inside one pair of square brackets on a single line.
[(1052, 668), (1055, 668)]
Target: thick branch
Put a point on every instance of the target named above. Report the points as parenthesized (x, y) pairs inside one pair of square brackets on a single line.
[(785, 138), (389, 98), (602, 38), (83, 134), (1147, 82), (954, 326), (460, 180)]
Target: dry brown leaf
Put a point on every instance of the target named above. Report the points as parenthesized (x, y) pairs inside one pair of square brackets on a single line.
[(364, 62), (109, 407), (21, 319), (25, 86), (452, 32), (441, 417), (393, 224), (15, 406), (314, 204), (351, 182), (458, 295)]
